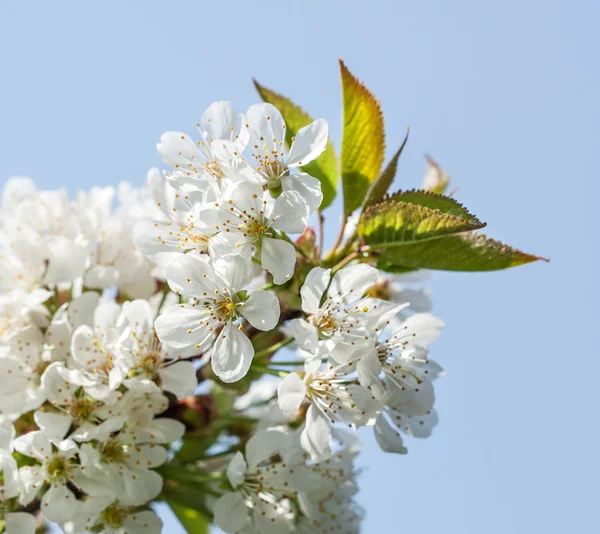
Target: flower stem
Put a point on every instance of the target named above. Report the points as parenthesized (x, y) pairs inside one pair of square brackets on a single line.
[(268, 370), (273, 348), (270, 285), (166, 291), (345, 262)]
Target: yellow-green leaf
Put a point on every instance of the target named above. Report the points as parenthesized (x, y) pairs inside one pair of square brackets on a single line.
[(325, 167), (363, 140), (434, 201), (192, 520), (380, 186), (463, 252), (391, 223)]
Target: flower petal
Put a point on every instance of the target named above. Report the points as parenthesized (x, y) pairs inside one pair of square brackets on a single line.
[(313, 289), (234, 271), (279, 258), (179, 327), (59, 503), (306, 186), (19, 523), (219, 121), (291, 393), (179, 378), (290, 213), (309, 143), (54, 425), (389, 439), (267, 128), (236, 469), (191, 276), (316, 436), (230, 512), (232, 354), (262, 310), (352, 282), (306, 334)]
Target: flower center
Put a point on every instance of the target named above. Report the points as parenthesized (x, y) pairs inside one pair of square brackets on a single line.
[(113, 452), (81, 409), (113, 516), (57, 468)]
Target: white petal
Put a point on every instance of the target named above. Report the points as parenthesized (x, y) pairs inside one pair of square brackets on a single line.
[(179, 378), (389, 439), (191, 276), (66, 259), (262, 310), (230, 512), (313, 289), (139, 486), (33, 479), (219, 121), (414, 401), (54, 425), (144, 522), (418, 426), (59, 503), (81, 310), (146, 456), (234, 271), (306, 334), (279, 258), (86, 352), (232, 354), (290, 213), (265, 443), (33, 444), (306, 186), (353, 281), (105, 316), (291, 393), (316, 436), (309, 143), (172, 329), (162, 430), (267, 127), (19, 523), (178, 150), (419, 330), (236, 469), (369, 369)]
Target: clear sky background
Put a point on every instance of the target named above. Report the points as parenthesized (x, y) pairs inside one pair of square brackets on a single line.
[(504, 94)]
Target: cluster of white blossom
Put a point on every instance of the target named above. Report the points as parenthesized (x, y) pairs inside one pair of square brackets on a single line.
[(84, 377), (109, 314)]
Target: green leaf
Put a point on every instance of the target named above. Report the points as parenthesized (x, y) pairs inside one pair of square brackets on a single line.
[(391, 223), (192, 520), (435, 201), (380, 186), (363, 140), (325, 167), (462, 252)]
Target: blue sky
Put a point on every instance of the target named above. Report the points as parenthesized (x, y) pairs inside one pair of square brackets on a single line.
[(503, 94)]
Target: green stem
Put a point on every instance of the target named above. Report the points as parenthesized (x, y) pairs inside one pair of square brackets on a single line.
[(270, 285), (172, 472), (268, 371), (273, 348), (285, 363), (344, 262), (166, 291)]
